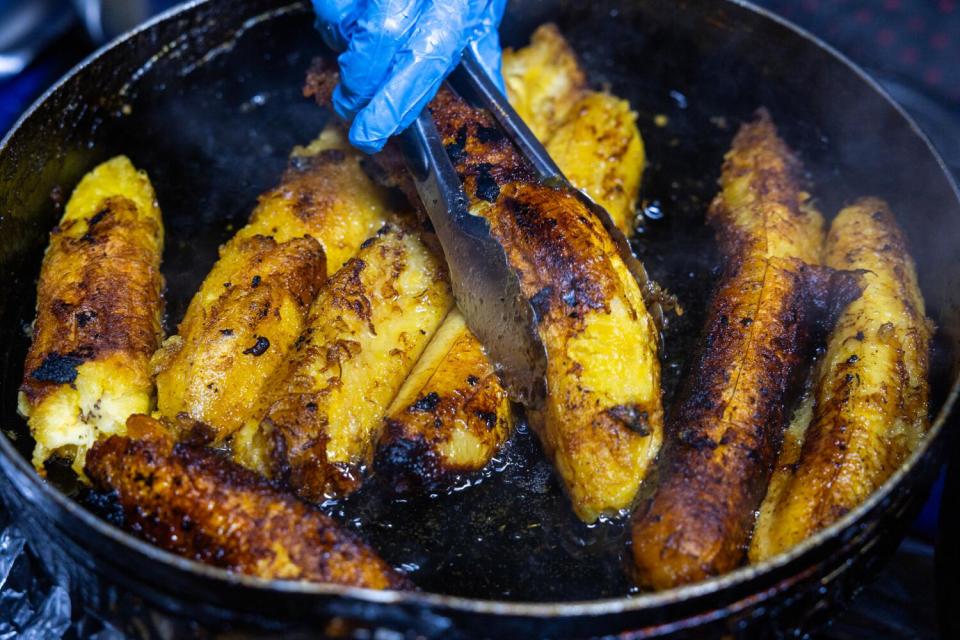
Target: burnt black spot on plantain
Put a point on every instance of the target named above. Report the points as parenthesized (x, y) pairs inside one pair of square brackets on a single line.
[(487, 188), (489, 418), (60, 369), (428, 402), (259, 347), (84, 318), (632, 417)]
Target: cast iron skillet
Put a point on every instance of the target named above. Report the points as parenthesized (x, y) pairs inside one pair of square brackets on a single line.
[(206, 98)]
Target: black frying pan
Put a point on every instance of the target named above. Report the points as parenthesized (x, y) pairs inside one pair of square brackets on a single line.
[(207, 99)]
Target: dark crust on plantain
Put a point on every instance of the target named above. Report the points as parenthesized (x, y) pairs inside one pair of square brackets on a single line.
[(713, 475), (725, 430), (550, 238), (407, 454), (179, 496), (109, 305)]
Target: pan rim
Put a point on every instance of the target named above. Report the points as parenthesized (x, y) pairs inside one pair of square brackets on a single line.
[(22, 473)]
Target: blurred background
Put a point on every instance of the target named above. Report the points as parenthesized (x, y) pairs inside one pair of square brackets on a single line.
[(912, 47)]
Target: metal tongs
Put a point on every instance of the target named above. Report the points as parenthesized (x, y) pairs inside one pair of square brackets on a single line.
[(485, 286)]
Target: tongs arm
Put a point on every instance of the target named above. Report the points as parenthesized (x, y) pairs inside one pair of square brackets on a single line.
[(472, 82), (485, 286)]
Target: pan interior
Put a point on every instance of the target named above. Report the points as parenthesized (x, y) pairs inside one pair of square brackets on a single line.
[(214, 135)]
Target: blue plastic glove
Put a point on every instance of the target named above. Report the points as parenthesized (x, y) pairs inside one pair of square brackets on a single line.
[(396, 53)]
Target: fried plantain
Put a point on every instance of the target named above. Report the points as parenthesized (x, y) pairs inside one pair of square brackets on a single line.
[(449, 418), (599, 148), (594, 139), (601, 419), (366, 330), (226, 340), (727, 425), (192, 501), (871, 388), (99, 310), (250, 308), (324, 194), (543, 80), (591, 135)]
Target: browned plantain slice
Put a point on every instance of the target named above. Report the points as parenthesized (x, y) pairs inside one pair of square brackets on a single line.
[(543, 80), (602, 417), (324, 194), (253, 304), (594, 139), (871, 388), (236, 331), (195, 503), (449, 418), (98, 315), (366, 330), (728, 422), (599, 148), (591, 135)]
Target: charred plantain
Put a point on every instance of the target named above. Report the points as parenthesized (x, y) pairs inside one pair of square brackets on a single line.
[(594, 139), (591, 135), (98, 322), (367, 328), (249, 310), (727, 425), (601, 419), (195, 503), (449, 418), (871, 388)]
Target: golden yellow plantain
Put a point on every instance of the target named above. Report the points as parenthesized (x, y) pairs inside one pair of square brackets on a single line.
[(366, 330), (591, 135), (236, 331), (98, 322), (325, 194), (599, 148), (214, 370), (871, 387), (543, 80)]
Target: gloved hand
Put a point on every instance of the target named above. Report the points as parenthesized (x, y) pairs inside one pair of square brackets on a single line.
[(396, 53)]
